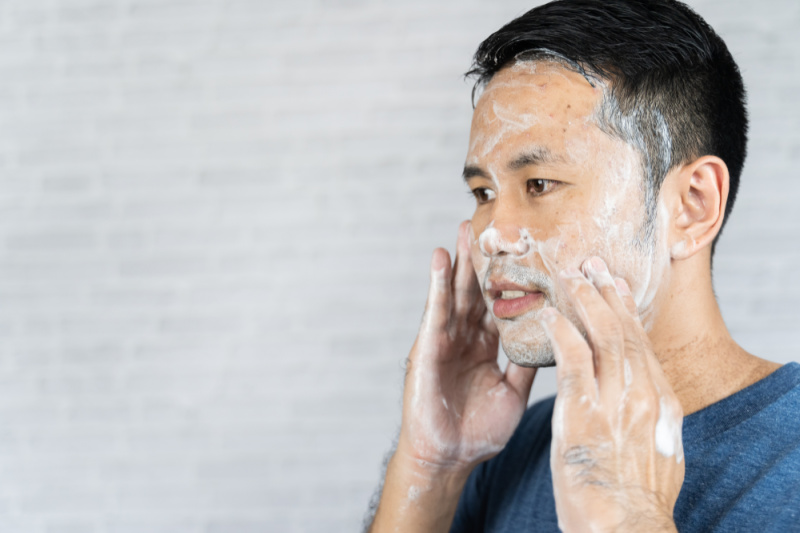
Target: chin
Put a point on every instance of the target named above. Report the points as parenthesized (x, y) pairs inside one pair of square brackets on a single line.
[(529, 354), (525, 343)]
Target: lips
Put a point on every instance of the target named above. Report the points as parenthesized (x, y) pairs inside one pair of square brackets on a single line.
[(511, 300)]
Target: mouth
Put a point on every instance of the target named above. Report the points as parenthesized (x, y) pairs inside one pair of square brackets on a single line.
[(511, 300)]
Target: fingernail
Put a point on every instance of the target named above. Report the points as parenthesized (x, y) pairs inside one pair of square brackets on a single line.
[(597, 264)]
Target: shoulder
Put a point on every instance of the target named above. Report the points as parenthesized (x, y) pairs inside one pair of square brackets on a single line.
[(772, 403), (743, 459)]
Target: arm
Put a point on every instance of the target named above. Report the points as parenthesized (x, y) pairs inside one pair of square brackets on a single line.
[(417, 496), (459, 409), (617, 452)]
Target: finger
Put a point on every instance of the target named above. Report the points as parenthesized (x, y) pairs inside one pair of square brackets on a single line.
[(611, 363), (635, 364), (488, 323), (597, 272), (603, 329), (520, 379), (574, 366), (624, 291), (468, 303), (644, 360), (642, 367), (437, 307)]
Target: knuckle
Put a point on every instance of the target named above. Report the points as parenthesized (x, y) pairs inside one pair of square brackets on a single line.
[(605, 322), (586, 464), (631, 345), (581, 288), (462, 294), (607, 348), (608, 290), (644, 399), (613, 330), (476, 314), (676, 407), (578, 455), (609, 337), (570, 383)]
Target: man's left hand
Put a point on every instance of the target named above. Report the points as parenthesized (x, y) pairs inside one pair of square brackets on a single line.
[(617, 452)]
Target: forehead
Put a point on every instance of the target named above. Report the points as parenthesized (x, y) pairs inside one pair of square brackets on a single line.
[(540, 102)]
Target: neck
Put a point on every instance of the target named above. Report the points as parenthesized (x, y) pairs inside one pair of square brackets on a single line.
[(697, 353)]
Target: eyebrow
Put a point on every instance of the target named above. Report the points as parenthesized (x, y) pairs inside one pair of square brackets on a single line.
[(535, 155), (473, 171)]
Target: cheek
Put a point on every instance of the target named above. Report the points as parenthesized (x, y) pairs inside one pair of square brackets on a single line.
[(564, 249), (572, 246)]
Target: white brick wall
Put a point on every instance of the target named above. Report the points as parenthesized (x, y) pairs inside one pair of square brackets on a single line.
[(215, 223)]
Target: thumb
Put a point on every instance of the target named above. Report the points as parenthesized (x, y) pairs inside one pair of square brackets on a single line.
[(520, 379)]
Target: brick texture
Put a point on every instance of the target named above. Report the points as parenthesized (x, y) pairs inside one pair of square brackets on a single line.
[(215, 223)]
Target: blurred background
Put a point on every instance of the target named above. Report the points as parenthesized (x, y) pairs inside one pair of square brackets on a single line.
[(216, 218)]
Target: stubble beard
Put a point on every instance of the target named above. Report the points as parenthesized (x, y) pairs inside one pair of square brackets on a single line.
[(535, 354), (523, 338)]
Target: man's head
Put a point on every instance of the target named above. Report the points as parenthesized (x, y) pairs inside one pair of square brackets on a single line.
[(586, 108)]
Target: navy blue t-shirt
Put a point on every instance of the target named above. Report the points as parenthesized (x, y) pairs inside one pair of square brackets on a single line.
[(742, 468)]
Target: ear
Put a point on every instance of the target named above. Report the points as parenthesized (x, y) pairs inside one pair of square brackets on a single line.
[(698, 195)]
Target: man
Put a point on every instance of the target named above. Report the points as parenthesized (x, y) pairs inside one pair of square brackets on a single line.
[(605, 155)]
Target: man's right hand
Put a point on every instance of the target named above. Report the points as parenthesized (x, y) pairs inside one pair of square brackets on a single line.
[(459, 408)]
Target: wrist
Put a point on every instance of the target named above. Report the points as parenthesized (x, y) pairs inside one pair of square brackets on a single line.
[(418, 495), (439, 472), (655, 521), (440, 466)]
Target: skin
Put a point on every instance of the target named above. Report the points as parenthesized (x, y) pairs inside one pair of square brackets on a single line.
[(533, 220), (634, 330)]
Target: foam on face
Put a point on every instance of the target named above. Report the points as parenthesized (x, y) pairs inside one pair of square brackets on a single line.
[(510, 122), (607, 235), (491, 239), (610, 222)]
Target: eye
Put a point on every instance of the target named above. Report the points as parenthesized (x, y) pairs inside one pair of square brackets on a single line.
[(483, 195), (539, 186)]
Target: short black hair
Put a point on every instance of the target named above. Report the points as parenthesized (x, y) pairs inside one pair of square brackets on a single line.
[(676, 92)]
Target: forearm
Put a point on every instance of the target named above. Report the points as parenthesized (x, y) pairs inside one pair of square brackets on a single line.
[(418, 496)]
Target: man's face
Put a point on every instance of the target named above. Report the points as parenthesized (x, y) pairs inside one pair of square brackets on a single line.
[(551, 191)]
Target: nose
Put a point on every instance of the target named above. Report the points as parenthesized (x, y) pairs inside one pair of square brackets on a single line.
[(503, 237)]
